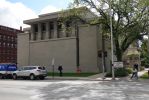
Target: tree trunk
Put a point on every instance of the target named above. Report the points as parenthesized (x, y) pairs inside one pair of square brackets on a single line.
[(118, 50), (119, 55)]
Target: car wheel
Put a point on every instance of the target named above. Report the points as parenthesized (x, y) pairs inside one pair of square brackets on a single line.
[(1, 76), (32, 77), (14, 76), (42, 77)]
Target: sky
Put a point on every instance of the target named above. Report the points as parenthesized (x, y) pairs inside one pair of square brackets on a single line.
[(13, 12)]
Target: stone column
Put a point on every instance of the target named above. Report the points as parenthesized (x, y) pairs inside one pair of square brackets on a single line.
[(47, 30), (55, 29), (39, 32)]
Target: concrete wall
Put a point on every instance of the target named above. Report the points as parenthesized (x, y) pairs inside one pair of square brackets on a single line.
[(88, 48), (23, 49), (107, 47), (62, 50)]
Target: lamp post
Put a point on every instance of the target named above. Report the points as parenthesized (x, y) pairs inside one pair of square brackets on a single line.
[(111, 30)]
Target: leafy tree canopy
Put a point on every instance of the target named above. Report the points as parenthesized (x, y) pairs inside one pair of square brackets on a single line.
[(129, 17)]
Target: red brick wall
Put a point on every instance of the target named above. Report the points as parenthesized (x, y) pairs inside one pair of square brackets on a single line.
[(8, 44)]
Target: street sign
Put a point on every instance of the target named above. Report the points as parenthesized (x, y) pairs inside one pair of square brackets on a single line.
[(117, 64), (53, 61)]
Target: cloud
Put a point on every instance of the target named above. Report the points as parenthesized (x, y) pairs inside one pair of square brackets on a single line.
[(49, 9), (13, 14)]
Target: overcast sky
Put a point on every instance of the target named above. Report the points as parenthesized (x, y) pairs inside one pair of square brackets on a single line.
[(13, 12)]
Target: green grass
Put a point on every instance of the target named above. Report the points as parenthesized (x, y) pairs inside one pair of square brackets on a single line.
[(72, 74), (145, 76)]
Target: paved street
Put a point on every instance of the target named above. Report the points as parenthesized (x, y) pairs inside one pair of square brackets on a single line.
[(73, 90)]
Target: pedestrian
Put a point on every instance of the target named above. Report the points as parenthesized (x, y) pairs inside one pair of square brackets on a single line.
[(135, 71), (60, 68)]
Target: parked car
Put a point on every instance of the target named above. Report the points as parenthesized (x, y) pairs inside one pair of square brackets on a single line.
[(31, 72), (6, 70)]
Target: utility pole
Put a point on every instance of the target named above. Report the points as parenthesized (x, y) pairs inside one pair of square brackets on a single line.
[(103, 55), (111, 29)]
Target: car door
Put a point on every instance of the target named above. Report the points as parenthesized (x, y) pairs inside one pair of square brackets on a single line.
[(20, 71), (26, 71)]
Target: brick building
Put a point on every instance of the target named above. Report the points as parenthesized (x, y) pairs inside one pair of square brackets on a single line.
[(8, 44)]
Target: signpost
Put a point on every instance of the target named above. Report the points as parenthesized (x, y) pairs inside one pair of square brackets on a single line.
[(117, 64), (53, 61)]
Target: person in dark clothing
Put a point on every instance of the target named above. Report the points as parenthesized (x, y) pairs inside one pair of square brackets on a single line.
[(60, 68), (136, 67), (135, 71)]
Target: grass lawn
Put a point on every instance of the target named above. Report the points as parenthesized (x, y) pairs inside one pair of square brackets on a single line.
[(72, 74), (145, 76)]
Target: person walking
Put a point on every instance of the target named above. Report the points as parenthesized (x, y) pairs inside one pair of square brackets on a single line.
[(135, 71), (60, 68)]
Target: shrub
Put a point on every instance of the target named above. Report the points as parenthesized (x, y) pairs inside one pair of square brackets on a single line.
[(142, 68), (145, 76), (129, 70), (119, 72)]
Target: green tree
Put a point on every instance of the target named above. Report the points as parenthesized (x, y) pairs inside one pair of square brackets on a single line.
[(144, 53), (129, 18)]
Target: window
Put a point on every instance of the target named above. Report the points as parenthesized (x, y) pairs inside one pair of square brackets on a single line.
[(51, 25), (35, 27), (43, 68), (43, 30), (7, 44), (51, 33), (11, 45), (4, 37), (11, 38), (4, 44)]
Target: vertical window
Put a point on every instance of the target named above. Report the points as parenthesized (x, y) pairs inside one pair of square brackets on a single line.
[(4, 44), (35, 32), (43, 30), (51, 33), (68, 29), (59, 28)]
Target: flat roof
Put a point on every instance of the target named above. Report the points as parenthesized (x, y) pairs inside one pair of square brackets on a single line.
[(49, 16)]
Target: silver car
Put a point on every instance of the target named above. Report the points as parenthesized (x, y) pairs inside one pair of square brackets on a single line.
[(32, 72)]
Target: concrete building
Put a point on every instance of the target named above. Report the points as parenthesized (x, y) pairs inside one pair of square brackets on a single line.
[(70, 44), (8, 44)]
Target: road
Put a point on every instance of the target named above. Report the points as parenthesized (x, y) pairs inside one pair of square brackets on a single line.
[(73, 90)]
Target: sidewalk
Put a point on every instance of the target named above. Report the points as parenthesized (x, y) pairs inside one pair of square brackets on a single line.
[(97, 77)]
